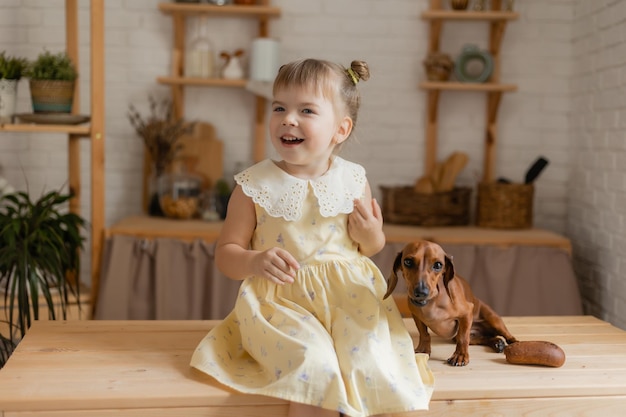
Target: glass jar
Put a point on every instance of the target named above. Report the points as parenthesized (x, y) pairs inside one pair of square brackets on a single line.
[(199, 56), (180, 195), (209, 207)]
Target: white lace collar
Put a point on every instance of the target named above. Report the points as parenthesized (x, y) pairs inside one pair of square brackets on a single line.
[(282, 194)]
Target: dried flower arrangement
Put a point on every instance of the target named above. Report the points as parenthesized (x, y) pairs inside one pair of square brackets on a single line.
[(160, 132)]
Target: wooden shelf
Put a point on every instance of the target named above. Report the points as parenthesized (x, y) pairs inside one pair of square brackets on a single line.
[(473, 235), (487, 15), (80, 130), (147, 227), (498, 19), (209, 9), (202, 82), (458, 86)]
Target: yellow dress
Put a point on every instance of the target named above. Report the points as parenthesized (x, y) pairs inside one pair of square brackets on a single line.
[(329, 339)]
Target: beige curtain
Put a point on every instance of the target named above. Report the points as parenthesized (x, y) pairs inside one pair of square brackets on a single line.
[(167, 279), (162, 279)]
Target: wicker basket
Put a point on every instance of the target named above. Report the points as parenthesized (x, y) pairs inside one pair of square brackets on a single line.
[(505, 206), (403, 205), (437, 74), (52, 96)]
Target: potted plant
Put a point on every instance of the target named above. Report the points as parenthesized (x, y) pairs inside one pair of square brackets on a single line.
[(11, 70), (223, 191), (52, 78), (40, 247)]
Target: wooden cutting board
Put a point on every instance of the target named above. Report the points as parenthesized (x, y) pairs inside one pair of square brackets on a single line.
[(201, 154)]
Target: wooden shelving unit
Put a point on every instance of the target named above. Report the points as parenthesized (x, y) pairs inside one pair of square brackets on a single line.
[(497, 19), (177, 81), (94, 130)]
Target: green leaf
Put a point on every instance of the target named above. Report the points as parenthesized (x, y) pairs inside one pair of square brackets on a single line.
[(49, 66), (12, 68)]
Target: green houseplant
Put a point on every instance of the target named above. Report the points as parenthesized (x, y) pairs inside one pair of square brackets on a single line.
[(52, 78), (40, 247), (223, 191), (12, 67), (11, 70)]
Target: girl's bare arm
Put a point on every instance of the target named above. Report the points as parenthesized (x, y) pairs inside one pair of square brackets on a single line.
[(233, 255)]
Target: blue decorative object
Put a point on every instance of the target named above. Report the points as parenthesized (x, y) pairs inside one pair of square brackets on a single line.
[(472, 53)]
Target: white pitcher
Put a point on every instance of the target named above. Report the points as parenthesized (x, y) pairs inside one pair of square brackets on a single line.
[(8, 98)]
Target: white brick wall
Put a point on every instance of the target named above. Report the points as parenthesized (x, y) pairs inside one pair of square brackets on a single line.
[(567, 57), (597, 189)]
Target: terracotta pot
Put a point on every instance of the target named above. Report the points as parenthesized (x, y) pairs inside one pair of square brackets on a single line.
[(459, 4)]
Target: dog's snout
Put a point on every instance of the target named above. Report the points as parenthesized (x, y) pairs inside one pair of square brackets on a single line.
[(421, 291)]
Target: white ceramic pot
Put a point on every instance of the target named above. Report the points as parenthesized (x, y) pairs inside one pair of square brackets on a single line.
[(8, 98)]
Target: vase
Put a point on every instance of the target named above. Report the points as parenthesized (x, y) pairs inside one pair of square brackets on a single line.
[(52, 96), (482, 69), (8, 98), (480, 5)]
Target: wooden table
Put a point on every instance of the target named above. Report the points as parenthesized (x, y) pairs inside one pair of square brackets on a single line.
[(139, 368)]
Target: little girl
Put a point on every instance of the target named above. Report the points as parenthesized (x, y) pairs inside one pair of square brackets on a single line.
[(310, 324)]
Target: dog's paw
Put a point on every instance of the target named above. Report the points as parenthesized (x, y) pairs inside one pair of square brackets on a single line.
[(458, 360), (499, 345)]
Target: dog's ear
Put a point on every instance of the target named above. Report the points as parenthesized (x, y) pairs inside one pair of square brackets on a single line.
[(393, 277), (448, 273)]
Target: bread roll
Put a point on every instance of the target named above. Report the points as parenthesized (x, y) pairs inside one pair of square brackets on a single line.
[(535, 353)]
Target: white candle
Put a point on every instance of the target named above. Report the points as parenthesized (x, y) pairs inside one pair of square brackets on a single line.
[(264, 59)]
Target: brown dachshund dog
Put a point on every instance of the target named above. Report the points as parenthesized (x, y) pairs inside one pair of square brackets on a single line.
[(443, 301)]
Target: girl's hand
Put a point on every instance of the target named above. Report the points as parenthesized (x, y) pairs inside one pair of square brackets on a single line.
[(276, 265), (365, 226)]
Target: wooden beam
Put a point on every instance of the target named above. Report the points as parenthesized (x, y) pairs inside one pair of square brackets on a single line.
[(71, 42), (430, 148), (259, 131), (71, 48), (97, 145), (435, 35), (74, 172), (491, 136)]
